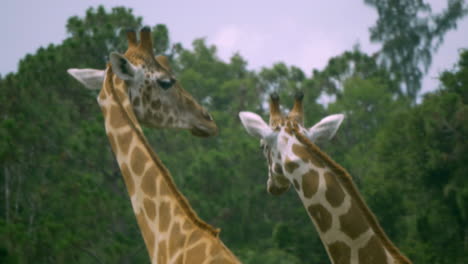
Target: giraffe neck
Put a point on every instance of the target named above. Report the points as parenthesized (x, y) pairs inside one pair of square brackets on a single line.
[(172, 231), (348, 229)]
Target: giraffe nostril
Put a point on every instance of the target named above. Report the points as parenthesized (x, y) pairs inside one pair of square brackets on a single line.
[(207, 116)]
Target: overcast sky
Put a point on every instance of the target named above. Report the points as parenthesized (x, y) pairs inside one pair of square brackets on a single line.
[(303, 33)]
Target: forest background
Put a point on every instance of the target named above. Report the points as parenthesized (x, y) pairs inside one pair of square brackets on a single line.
[(64, 201)]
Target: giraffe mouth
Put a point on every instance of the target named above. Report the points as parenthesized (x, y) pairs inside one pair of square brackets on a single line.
[(203, 132), (277, 191)]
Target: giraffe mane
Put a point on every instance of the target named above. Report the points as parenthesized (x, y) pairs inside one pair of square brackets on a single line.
[(183, 202), (350, 187)]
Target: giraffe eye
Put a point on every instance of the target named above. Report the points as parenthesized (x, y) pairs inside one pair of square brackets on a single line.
[(166, 83)]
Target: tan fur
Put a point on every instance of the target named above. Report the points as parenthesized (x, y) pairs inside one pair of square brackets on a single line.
[(164, 172), (123, 117)]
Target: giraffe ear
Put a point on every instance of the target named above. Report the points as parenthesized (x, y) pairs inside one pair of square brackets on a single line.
[(90, 78), (255, 125), (326, 128), (122, 67)]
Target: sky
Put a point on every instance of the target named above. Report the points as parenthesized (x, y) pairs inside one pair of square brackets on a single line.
[(303, 33)]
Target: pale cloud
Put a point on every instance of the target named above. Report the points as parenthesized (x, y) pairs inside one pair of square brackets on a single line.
[(249, 42), (227, 38), (286, 41)]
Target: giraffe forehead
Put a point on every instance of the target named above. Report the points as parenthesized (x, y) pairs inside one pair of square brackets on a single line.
[(150, 67), (137, 57), (285, 122)]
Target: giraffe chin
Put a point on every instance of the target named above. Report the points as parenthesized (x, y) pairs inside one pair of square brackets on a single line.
[(199, 132), (277, 191)]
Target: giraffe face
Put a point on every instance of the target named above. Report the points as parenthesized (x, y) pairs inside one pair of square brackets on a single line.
[(277, 141), (157, 97), (277, 183)]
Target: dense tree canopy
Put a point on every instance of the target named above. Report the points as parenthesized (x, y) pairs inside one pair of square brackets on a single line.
[(409, 33), (64, 201)]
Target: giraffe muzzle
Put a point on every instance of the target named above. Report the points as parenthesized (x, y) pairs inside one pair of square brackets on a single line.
[(277, 191), (204, 132)]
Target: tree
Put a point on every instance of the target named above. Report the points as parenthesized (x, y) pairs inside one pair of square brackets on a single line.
[(63, 198), (53, 170), (410, 33), (422, 152)]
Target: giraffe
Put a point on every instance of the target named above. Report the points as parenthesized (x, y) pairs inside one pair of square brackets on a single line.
[(346, 226), (138, 87)]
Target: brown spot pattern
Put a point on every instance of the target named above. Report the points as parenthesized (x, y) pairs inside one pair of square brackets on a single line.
[(124, 140), (290, 166), (102, 95), (373, 252), (146, 97), (306, 155), (116, 119), (340, 252), (296, 185), (121, 95), (104, 111), (132, 117), (148, 183), (165, 108), (150, 208), (163, 188), (178, 211), (118, 81), (213, 250), (162, 252), (278, 169), (164, 215), (176, 239), (158, 118), (148, 235), (138, 160), (170, 120), (353, 223), (321, 216), (111, 138), (195, 236), (156, 105), (334, 193), (187, 226), (189, 102), (128, 179), (179, 259), (276, 191), (197, 254), (136, 101), (310, 183)]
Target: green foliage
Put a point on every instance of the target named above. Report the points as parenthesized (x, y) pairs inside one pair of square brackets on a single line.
[(64, 201), (423, 153), (409, 33), (160, 37)]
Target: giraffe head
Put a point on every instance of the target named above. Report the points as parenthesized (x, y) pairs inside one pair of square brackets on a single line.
[(276, 138), (157, 97)]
